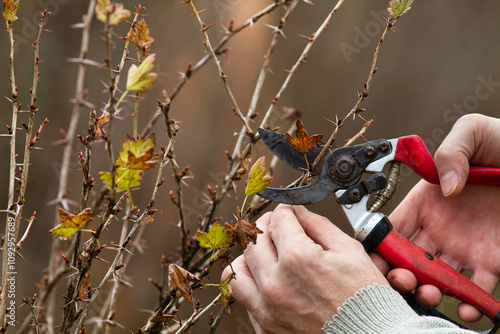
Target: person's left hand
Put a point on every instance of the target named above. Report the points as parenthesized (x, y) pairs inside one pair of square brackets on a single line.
[(299, 272)]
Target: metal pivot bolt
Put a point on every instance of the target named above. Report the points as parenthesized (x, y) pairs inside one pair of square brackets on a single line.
[(344, 167), (369, 151), (355, 195), (383, 146)]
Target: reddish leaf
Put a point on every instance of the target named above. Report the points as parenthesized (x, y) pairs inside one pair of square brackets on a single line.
[(303, 143), (222, 257), (243, 233)]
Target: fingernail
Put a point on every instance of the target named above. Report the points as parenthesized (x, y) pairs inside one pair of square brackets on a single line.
[(449, 182), (424, 300), (402, 285)]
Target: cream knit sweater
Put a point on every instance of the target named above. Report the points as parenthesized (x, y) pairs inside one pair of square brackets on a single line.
[(381, 310)]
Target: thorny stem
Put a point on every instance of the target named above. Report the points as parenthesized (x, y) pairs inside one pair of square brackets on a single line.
[(302, 58), (246, 150), (136, 116), (196, 315), (361, 96), (146, 213), (278, 31), (54, 259), (113, 296), (208, 45), (85, 162), (165, 108), (15, 209), (360, 133), (217, 50), (11, 215), (110, 109), (31, 304)]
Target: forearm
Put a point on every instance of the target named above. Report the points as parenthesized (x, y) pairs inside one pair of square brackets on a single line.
[(381, 310)]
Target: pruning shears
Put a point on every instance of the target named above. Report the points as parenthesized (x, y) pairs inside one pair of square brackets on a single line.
[(341, 172)]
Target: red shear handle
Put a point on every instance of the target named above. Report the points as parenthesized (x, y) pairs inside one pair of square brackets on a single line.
[(411, 151), (429, 269)]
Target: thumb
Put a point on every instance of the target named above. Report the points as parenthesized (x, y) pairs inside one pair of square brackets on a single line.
[(453, 155)]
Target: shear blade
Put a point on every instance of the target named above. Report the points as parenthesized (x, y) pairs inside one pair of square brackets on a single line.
[(277, 143), (309, 194)]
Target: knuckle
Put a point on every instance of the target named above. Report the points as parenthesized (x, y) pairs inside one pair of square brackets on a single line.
[(265, 319), (292, 258), (271, 291)]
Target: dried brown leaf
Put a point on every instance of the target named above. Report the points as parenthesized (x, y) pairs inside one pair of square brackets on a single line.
[(243, 233), (303, 142), (179, 278)]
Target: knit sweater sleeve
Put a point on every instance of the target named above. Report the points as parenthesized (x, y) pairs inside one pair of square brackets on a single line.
[(381, 310)]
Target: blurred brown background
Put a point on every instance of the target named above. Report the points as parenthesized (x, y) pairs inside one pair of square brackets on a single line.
[(429, 72)]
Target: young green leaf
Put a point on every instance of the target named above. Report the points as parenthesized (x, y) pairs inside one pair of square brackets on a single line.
[(399, 7), (113, 13), (226, 291), (135, 157), (70, 223), (140, 36), (125, 178), (257, 178), (216, 237), (10, 10), (137, 154), (140, 78)]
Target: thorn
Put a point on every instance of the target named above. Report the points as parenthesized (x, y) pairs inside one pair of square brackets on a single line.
[(277, 30), (207, 27), (310, 39)]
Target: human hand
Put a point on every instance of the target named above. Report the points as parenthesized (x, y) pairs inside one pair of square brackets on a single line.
[(463, 227), (299, 272)]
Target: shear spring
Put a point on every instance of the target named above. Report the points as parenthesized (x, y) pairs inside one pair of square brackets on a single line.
[(383, 197)]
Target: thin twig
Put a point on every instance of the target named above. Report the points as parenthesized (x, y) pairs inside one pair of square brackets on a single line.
[(360, 97), (278, 31), (196, 315), (191, 70), (12, 170), (12, 230), (146, 213), (302, 58), (208, 45), (360, 133), (54, 258)]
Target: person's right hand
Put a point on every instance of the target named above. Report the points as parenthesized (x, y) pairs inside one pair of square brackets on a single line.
[(461, 224)]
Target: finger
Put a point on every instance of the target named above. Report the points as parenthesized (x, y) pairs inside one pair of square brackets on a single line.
[(428, 296), (380, 262), (488, 282), (405, 218), (472, 138), (261, 256), (285, 230), (245, 289), (402, 280), (451, 261), (322, 231), (424, 241), (255, 324)]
